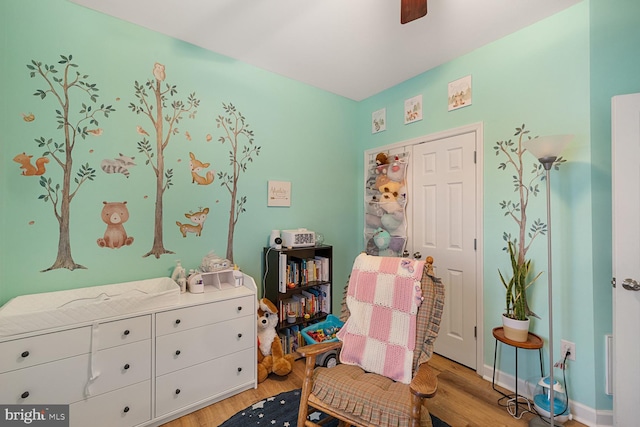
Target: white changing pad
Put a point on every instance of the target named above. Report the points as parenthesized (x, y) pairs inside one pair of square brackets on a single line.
[(34, 312)]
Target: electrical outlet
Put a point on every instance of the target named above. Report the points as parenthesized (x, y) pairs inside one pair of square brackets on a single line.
[(567, 346)]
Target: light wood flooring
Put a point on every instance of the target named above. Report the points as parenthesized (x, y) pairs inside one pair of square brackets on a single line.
[(463, 399)]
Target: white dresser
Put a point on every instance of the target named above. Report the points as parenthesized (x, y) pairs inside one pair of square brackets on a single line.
[(142, 369)]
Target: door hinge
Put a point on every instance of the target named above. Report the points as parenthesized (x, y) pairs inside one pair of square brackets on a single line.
[(475, 244), (613, 282), (475, 157), (475, 332)]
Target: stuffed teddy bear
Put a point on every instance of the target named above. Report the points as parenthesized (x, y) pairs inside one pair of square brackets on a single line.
[(271, 357)]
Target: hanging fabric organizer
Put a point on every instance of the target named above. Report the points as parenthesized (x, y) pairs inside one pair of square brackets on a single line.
[(385, 230)]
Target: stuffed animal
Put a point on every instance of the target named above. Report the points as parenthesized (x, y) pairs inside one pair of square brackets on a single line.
[(396, 169), (382, 163), (271, 357), (389, 202)]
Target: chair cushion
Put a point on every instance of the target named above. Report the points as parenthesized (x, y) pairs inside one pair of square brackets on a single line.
[(370, 397)]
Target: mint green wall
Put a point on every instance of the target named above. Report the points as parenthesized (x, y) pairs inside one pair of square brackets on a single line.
[(557, 76), (306, 136), (538, 76), (615, 70)]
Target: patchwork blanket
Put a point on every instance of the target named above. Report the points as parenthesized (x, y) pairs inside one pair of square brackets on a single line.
[(383, 297)]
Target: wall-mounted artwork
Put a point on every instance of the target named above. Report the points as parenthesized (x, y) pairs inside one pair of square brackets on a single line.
[(279, 193), (460, 93), (164, 114), (74, 101), (379, 120), (115, 214), (238, 134), (413, 109), (196, 167), (197, 218)]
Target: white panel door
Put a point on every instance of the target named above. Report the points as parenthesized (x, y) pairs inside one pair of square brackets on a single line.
[(443, 195), (626, 258)]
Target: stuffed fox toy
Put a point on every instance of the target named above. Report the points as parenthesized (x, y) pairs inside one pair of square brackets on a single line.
[(271, 357)]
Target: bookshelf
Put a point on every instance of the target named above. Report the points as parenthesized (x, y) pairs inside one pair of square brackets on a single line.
[(299, 282)]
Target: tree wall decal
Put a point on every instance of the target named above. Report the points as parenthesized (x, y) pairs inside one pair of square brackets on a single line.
[(236, 129), (153, 104), (59, 87)]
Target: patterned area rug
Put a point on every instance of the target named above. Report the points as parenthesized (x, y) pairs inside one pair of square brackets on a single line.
[(282, 411)]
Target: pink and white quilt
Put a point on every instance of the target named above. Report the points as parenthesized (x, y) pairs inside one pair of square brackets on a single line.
[(383, 297)]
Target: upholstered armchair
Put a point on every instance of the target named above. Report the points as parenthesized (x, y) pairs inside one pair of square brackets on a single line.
[(361, 398)]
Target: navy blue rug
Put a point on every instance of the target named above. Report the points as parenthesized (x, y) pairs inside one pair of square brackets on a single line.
[(282, 411)]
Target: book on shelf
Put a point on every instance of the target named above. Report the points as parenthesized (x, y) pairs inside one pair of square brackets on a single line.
[(282, 273), (323, 262), (291, 338)]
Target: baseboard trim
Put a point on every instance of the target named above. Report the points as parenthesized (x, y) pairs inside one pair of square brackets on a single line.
[(579, 412)]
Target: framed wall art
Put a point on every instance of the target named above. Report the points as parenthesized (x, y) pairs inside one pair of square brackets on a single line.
[(379, 120), (279, 193), (413, 109), (460, 93)]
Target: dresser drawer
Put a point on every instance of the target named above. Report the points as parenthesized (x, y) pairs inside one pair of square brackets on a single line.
[(121, 366), (124, 331), (59, 382), (125, 407), (25, 352), (181, 319), (204, 381), (186, 348)]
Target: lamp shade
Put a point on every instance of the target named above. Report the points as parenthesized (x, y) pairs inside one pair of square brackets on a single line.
[(547, 147)]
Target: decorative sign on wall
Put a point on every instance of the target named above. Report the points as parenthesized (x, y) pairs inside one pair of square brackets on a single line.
[(413, 109), (279, 193), (460, 93)]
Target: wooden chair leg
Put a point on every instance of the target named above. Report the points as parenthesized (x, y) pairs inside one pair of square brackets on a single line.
[(416, 406), (306, 390)]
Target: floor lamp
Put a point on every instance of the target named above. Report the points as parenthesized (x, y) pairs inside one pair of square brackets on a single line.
[(547, 150)]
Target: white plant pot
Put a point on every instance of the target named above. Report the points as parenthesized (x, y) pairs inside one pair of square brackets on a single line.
[(515, 330)]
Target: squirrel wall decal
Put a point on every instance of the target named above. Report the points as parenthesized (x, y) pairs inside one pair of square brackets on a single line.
[(27, 168)]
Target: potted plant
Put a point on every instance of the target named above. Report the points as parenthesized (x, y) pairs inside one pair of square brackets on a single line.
[(517, 311)]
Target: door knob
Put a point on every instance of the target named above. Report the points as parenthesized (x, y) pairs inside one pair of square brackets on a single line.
[(631, 285), (417, 255)]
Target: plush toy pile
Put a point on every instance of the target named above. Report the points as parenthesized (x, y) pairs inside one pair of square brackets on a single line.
[(386, 199), (271, 357)]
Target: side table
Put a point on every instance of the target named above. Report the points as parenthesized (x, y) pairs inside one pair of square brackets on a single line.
[(533, 342)]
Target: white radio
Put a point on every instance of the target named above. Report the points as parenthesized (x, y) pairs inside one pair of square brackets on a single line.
[(298, 238)]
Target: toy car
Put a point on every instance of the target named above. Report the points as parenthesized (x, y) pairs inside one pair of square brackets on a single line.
[(324, 331)]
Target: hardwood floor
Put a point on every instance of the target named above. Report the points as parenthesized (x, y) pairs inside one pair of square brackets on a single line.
[(463, 399)]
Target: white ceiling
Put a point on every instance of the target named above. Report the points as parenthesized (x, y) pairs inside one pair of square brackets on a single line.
[(353, 48)]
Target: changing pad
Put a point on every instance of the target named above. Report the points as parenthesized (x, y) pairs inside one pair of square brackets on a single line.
[(27, 313)]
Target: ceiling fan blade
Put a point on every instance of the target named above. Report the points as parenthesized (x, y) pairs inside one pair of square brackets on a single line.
[(411, 10)]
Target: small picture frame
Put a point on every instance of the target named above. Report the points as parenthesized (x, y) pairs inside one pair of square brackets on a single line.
[(279, 193), (460, 93), (379, 120), (413, 109)]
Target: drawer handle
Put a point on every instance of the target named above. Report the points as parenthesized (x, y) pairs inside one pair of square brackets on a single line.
[(239, 335), (126, 332), (177, 352), (177, 391), (177, 321), (239, 308), (126, 366), (239, 369), (25, 354), (24, 395), (126, 409)]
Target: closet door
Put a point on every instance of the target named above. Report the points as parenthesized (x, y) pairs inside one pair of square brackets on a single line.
[(443, 200)]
